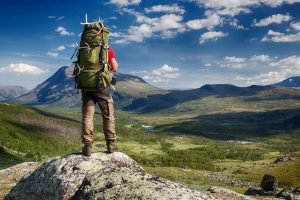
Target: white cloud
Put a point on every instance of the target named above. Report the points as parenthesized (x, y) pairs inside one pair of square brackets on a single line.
[(136, 34), (55, 17), (276, 3), (273, 36), (140, 72), (281, 69), (281, 37), (264, 79), (166, 8), (63, 31), (234, 62), (123, 3), (167, 26), (23, 68), (52, 54), (295, 26), (234, 59), (163, 69), (209, 23), (60, 18), (274, 19), (166, 22), (261, 58), (211, 36), (163, 74), (235, 7), (228, 7), (241, 62), (274, 33), (235, 23), (112, 18), (291, 62), (116, 34), (73, 45), (207, 65), (60, 48)]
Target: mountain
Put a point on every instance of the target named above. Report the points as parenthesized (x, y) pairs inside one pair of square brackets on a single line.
[(173, 98), (292, 82), (59, 90), (133, 93), (11, 92), (211, 95)]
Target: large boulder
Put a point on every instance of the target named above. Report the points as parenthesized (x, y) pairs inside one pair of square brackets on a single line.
[(101, 176), (269, 183)]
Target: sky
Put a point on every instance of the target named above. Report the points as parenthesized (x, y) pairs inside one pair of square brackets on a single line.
[(179, 44)]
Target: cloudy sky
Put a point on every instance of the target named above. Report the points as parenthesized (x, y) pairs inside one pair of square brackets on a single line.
[(171, 44)]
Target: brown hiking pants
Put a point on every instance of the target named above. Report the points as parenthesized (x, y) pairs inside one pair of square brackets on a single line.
[(104, 99)]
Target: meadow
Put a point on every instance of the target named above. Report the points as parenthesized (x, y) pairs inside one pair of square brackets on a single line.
[(229, 149)]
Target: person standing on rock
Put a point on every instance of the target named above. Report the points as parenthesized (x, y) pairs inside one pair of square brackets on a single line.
[(95, 62)]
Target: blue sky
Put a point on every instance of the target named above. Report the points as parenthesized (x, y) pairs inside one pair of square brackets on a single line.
[(171, 44)]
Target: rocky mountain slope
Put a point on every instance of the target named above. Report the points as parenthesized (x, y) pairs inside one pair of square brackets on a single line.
[(11, 92), (103, 176), (136, 94), (293, 82), (59, 90)]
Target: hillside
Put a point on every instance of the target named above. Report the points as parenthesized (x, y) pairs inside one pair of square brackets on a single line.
[(292, 82), (223, 112), (58, 90), (197, 161), (11, 92), (31, 134), (192, 100)]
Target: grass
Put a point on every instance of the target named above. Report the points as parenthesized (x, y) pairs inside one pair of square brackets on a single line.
[(184, 144), (193, 178), (36, 135), (8, 159), (184, 158), (287, 173)]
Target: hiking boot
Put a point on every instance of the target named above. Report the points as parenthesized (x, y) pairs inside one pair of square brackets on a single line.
[(111, 146), (87, 149)]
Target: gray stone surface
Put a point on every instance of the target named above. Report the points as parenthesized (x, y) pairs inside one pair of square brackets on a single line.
[(101, 176)]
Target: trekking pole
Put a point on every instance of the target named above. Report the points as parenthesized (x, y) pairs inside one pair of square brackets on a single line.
[(114, 89), (86, 21)]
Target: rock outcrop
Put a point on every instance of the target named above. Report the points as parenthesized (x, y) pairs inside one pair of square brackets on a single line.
[(101, 176), (9, 177), (269, 183)]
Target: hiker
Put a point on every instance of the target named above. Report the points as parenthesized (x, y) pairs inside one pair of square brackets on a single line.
[(103, 97), (95, 61)]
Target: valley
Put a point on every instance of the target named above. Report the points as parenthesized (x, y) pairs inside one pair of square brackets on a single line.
[(216, 135)]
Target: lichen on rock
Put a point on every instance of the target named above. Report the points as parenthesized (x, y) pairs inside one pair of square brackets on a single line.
[(100, 176)]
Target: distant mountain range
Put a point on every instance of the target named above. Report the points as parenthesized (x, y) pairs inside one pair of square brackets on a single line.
[(292, 82), (11, 92), (176, 98), (133, 93), (59, 90)]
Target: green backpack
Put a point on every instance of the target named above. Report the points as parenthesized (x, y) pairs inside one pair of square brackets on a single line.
[(91, 68)]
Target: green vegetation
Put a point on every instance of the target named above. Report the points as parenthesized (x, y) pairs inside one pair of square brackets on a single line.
[(35, 135), (190, 138), (9, 159)]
